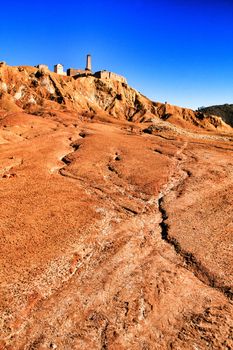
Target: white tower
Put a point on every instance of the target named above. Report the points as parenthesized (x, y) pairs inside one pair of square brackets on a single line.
[(88, 66)]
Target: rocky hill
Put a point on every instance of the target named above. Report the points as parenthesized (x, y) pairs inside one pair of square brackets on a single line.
[(115, 217), (224, 111), (38, 91)]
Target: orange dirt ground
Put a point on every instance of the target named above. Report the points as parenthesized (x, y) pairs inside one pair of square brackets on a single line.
[(114, 238)]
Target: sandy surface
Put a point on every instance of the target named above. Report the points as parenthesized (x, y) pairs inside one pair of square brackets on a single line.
[(112, 238)]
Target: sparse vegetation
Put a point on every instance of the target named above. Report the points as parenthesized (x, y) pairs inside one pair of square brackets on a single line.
[(224, 111)]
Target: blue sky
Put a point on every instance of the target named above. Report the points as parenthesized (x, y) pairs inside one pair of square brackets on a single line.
[(176, 51)]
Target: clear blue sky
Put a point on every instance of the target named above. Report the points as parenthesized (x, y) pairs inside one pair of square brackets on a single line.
[(177, 51)]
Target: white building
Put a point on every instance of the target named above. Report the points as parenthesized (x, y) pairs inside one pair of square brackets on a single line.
[(59, 69)]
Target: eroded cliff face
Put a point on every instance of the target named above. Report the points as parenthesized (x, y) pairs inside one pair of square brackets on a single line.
[(115, 234), (37, 91)]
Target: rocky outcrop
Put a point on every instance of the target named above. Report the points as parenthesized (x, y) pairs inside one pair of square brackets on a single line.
[(36, 91)]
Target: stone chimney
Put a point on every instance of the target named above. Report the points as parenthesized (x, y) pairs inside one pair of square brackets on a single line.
[(88, 66)]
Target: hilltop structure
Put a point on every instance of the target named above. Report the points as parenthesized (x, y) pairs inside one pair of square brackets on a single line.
[(104, 74), (88, 66), (79, 72), (59, 69), (74, 72)]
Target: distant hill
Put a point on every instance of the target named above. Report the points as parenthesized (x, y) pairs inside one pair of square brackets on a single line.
[(224, 111)]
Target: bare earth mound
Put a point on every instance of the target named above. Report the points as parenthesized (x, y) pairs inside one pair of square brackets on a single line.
[(116, 225)]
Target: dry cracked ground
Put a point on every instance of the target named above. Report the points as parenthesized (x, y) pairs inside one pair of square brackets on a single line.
[(112, 238), (114, 235)]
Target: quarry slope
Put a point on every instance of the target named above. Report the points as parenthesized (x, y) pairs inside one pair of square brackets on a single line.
[(116, 220)]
